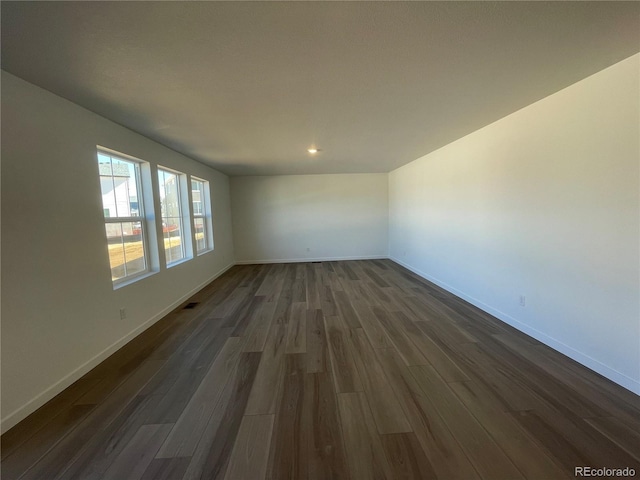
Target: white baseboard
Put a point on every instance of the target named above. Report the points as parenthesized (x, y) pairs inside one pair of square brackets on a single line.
[(582, 358), (309, 260), (36, 402)]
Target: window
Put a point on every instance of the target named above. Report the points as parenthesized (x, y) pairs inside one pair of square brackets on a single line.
[(177, 245), (201, 215), (125, 223)]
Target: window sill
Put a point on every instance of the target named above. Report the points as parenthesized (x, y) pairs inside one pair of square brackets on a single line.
[(179, 262), (130, 280)]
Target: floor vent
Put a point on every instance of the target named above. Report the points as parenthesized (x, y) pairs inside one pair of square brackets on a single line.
[(316, 262), (190, 305)]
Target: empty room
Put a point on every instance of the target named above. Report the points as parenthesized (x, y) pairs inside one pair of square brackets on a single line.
[(320, 240)]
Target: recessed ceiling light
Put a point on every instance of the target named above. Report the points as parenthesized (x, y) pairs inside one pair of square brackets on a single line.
[(313, 150)]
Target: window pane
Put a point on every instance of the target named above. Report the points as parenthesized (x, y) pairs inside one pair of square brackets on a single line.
[(119, 186), (169, 194), (201, 240), (125, 187), (172, 224), (126, 249), (196, 196), (116, 250), (133, 248), (173, 245), (106, 187), (201, 214)]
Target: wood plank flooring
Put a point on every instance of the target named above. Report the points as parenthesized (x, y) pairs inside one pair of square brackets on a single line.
[(356, 369)]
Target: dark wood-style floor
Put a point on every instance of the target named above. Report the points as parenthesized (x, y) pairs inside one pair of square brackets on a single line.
[(329, 370)]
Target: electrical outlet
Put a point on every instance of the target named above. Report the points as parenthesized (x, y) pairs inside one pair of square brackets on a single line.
[(523, 300), (123, 313)]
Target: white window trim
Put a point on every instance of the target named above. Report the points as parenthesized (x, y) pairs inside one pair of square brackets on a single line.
[(185, 227), (205, 200), (142, 217)]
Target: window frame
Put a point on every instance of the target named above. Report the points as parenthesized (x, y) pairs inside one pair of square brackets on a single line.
[(183, 208), (205, 215), (146, 233)]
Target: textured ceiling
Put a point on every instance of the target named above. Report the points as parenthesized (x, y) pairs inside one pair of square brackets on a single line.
[(247, 87)]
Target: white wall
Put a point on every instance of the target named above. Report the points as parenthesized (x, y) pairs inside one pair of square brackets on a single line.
[(278, 218), (60, 313), (543, 203)]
